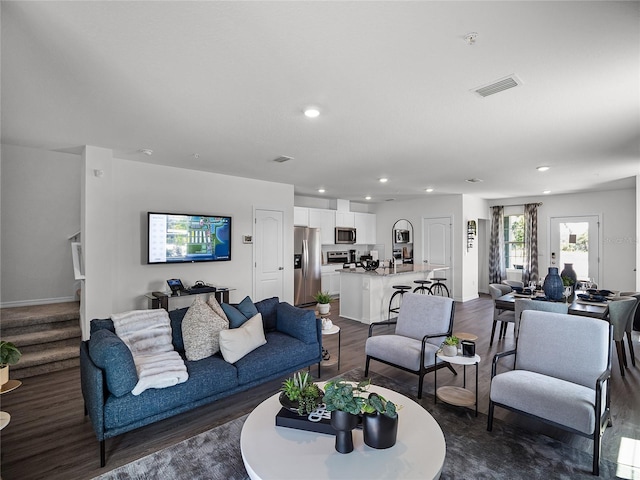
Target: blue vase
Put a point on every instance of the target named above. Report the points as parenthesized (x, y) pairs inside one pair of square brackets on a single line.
[(553, 287)]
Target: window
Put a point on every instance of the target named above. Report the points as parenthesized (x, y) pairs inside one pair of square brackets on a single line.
[(514, 241)]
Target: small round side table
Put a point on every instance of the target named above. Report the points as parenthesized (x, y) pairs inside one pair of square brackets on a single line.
[(460, 397), (5, 418), (332, 331)]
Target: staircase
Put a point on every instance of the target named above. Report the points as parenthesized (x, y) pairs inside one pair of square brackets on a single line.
[(47, 335)]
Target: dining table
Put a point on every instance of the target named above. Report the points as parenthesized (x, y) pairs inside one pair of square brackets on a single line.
[(576, 307)]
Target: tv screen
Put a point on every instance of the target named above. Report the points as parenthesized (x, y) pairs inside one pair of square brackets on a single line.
[(186, 238)]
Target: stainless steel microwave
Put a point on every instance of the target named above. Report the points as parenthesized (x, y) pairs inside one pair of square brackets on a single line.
[(345, 235)]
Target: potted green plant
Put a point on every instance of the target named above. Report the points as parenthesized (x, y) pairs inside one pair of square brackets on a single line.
[(9, 355), (300, 394), (450, 346), (323, 299), (345, 402)]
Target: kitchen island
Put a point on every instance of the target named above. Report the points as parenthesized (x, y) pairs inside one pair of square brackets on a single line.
[(364, 295)]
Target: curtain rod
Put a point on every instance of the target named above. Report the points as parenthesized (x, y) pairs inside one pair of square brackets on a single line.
[(539, 204)]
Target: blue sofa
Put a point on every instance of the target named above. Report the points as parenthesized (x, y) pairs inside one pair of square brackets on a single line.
[(294, 342)]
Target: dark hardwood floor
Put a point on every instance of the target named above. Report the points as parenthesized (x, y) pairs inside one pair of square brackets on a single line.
[(49, 437)]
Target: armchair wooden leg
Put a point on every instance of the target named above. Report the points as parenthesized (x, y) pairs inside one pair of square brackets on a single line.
[(620, 357), (493, 331), (490, 417), (366, 366), (631, 352)]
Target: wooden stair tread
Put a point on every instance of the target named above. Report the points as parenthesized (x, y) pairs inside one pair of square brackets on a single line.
[(47, 356), (38, 314)]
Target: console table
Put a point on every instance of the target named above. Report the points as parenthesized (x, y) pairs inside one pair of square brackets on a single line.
[(161, 299)]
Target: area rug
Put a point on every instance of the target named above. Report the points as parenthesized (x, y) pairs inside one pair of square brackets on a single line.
[(472, 452)]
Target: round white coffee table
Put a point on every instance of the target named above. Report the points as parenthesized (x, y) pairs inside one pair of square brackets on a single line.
[(271, 452)]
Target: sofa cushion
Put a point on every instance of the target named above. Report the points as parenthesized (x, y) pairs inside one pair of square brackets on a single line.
[(298, 323), (247, 307), (235, 343), (235, 316), (281, 353), (110, 353), (100, 324), (215, 306), (268, 308), (201, 328), (207, 377)]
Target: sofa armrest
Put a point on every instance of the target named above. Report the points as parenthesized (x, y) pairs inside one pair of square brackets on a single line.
[(93, 387), (299, 323)]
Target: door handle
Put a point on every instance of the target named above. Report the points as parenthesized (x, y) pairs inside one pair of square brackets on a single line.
[(280, 268)]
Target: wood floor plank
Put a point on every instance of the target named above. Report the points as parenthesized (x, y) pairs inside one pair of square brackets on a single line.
[(49, 437)]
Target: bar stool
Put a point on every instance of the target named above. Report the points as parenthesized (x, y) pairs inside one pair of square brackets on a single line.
[(422, 286), (399, 290), (439, 288)]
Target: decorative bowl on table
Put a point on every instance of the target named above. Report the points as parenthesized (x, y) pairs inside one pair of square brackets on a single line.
[(369, 265)]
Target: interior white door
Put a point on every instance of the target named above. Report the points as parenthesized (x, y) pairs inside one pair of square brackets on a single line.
[(576, 240), (436, 244), (269, 254)]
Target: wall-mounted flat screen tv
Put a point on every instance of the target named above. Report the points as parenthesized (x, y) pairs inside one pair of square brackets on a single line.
[(186, 238)]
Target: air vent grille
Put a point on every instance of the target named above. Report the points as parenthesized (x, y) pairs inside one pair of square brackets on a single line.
[(498, 86), (282, 159)]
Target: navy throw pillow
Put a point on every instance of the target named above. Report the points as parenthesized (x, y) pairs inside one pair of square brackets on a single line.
[(110, 353), (241, 313)]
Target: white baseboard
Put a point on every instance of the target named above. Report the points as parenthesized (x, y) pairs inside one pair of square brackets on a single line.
[(40, 301)]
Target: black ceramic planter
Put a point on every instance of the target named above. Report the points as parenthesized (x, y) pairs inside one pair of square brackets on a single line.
[(343, 423), (379, 431)]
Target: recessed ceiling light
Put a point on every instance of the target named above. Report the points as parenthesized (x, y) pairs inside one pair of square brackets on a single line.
[(542, 168), (474, 180), (196, 156), (384, 180), (311, 112), (367, 197), (429, 190), (321, 190), (147, 151), (547, 192), (471, 38)]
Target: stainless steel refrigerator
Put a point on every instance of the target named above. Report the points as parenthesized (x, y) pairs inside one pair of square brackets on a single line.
[(307, 256)]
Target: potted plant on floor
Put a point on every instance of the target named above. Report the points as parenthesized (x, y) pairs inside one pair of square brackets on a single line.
[(300, 394), (323, 299), (450, 346), (9, 355), (345, 402), (379, 422)]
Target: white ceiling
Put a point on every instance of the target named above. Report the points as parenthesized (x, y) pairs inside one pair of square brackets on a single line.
[(394, 81)]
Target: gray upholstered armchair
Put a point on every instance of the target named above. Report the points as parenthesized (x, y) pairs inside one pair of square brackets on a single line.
[(422, 324), (561, 375)]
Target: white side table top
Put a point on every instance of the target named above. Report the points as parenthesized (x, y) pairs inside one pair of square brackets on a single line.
[(5, 418), (271, 452), (459, 359), (330, 331)]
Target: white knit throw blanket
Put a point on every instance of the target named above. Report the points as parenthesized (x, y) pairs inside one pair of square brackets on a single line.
[(147, 333)]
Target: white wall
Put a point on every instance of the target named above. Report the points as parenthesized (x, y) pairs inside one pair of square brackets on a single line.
[(617, 211), (474, 209), (40, 209), (136, 188)]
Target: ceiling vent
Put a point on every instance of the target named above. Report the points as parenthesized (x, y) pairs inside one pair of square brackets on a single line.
[(282, 159), (498, 86)]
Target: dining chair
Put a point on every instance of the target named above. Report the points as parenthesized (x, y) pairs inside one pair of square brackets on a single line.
[(513, 283), (621, 312), (634, 321), (565, 384), (423, 322), (523, 304), (497, 290)]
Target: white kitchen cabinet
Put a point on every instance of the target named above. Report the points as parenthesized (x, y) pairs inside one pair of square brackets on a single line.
[(334, 285), (330, 279), (301, 216), (345, 219), (365, 224), (325, 220)]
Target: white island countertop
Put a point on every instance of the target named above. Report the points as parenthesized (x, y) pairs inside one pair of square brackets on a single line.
[(364, 295), (399, 270)]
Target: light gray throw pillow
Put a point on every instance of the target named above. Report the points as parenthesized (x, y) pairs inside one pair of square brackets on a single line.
[(201, 329), (235, 343)]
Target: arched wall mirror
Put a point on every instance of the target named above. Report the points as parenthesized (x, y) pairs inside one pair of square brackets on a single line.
[(402, 233)]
